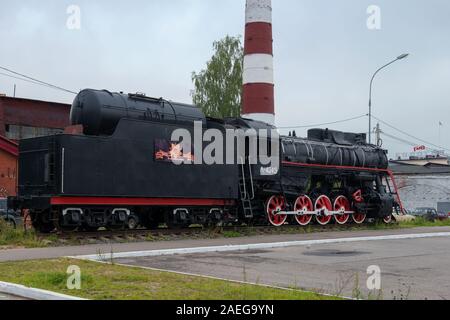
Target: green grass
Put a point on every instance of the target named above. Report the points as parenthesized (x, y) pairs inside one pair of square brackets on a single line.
[(421, 222), (416, 223), (113, 282), (231, 234), (10, 237)]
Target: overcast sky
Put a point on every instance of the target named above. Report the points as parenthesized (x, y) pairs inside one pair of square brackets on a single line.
[(324, 56)]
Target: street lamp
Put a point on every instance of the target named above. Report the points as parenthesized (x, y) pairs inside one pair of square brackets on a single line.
[(403, 56)]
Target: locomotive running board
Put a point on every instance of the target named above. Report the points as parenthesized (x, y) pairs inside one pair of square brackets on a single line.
[(107, 201)]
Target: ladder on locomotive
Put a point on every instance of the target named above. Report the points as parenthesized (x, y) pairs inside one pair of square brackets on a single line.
[(51, 161), (246, 188)]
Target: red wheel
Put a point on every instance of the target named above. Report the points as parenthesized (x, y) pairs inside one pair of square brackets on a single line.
[(305, 204), (342, 204), (323, 203), (388, 219), (359, 218), (274, 205)]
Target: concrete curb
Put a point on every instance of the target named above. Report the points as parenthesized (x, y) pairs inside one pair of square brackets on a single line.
[(229, 248), (32, 293)]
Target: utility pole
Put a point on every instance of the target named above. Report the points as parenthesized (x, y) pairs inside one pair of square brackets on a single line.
[(14, 95), (378, 135)]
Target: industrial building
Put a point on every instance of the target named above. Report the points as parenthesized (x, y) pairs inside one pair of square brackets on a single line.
[(422, 182), (20, 119)]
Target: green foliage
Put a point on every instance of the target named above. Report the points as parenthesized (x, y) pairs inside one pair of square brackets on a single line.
[(218, 88), (11, 237)]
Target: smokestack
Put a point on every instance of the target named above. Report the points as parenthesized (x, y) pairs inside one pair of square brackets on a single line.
[(258, 91)]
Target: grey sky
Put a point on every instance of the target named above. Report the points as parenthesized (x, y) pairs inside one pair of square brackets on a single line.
[(324, 55)]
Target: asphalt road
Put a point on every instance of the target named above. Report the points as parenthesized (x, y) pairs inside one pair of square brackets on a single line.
[(410, 269)]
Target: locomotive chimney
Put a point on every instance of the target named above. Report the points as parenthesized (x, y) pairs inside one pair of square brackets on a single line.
[(258, 90)]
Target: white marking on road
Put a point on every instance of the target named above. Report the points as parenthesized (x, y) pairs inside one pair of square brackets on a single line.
[(256, 246)]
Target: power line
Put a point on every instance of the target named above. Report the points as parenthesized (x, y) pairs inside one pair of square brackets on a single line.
[(409, 143), (22, 79), (324, 124), (410, 135), (36, 81)]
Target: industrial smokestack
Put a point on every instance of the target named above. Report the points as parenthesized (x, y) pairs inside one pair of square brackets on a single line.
[(258, 91)]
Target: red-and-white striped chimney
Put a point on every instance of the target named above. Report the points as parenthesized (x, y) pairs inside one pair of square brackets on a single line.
[(258, 92)]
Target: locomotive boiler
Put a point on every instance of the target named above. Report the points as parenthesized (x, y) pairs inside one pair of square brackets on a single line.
[(122, 169)]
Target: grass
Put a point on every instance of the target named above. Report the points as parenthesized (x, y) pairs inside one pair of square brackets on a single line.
[(113, 282), (10, 237), (421, 222), (231, 234), (416, 223)]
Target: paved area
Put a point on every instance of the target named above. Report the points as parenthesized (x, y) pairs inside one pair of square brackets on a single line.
[(410, 269), (50, 253)]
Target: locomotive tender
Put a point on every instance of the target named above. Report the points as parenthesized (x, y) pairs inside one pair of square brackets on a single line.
[(118, 171)]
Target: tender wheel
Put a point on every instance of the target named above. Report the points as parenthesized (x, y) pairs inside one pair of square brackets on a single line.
[(359, 218), (132, 223), (275, 205), (304, 203), (323, 203), (342, 204)]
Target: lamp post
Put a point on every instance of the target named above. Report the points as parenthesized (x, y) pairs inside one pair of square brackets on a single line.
[(403, 56)]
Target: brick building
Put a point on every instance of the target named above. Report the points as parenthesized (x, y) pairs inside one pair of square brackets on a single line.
[(22, 119)]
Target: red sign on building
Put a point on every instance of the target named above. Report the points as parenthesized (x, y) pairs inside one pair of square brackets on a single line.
[(420, 148)]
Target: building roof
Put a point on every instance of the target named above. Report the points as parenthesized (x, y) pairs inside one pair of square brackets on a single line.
[(9, 146), (399, 167), (18, 99)]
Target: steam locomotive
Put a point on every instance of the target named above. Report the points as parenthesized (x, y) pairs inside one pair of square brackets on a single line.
[(114, 168)]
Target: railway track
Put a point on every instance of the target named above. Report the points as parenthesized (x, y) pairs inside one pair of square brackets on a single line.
[(144, 234)]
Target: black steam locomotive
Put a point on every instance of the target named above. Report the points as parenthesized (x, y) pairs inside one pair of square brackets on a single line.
[(117, 168)]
